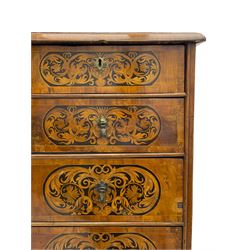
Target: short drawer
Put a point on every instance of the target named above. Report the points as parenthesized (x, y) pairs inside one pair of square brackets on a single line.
[(108, 125), (105, 238), (107, 69), (129, 189)]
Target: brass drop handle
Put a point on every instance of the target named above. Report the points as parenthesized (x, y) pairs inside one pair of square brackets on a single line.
[(102, 123), (102, 188)]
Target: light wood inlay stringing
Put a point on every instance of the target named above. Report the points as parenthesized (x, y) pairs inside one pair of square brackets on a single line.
[(112, 140)]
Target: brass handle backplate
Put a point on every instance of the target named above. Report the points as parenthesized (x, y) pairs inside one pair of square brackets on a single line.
[(102, 188), (102, 123)]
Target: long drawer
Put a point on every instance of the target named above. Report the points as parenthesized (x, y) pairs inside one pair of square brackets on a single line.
[(108, 125), (127, 189), (148, 238), (107, 69)]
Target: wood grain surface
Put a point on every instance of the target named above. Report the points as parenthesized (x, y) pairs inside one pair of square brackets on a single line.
[(112, 140), (147, 238), (109, 69), (188, 159), (132, 125), (116, 38), (137, 189)]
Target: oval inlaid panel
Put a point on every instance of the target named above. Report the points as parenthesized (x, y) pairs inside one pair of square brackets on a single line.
[(102, 125), (102, 190), (101, 241), (100, 68)]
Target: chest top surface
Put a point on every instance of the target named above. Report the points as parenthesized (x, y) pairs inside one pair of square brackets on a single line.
[(116, 38)]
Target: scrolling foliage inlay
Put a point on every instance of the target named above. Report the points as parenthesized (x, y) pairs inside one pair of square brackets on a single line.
[(105, 241), (80, 125), (100, 69), (130, 190)]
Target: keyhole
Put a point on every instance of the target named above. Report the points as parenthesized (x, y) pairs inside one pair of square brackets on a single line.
[(100, 62)]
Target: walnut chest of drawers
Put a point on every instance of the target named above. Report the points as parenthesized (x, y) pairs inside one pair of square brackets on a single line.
[(112, 140)]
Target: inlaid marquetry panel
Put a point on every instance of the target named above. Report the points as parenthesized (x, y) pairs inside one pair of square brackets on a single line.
[(108, 125), (102, 125), (107, 69), (129, 68), (129, 189), (102, 190), (101, 241), (97, 238)]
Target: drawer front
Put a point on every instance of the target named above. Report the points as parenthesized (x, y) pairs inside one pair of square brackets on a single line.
[(147, 238), (108, 125), (129, 189), (107, 69)]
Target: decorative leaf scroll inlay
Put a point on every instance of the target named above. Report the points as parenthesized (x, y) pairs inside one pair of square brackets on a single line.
[(97, 241), (95, 125), (100, 69), (75, 190)]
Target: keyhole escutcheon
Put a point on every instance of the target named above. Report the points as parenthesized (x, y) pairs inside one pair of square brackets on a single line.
[(99, 63)]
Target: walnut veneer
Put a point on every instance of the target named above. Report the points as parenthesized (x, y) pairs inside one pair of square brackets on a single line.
[(112, 140)]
